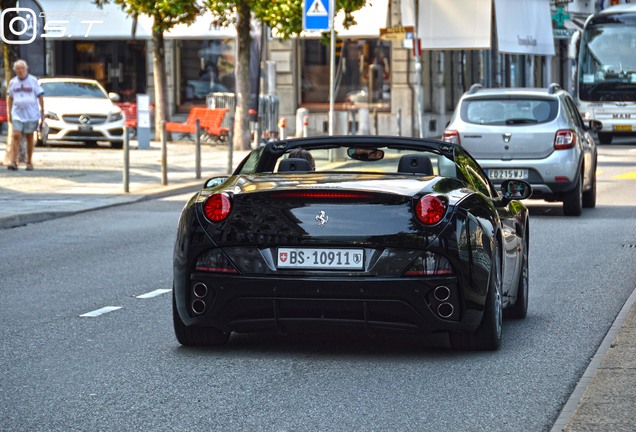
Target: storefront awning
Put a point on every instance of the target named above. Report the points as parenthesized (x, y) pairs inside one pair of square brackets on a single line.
[(81, 19), (369, 20), (523, 27), (203, 27), (456, 24)]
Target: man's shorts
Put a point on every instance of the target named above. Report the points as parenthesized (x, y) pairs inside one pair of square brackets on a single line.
[(25, 126)]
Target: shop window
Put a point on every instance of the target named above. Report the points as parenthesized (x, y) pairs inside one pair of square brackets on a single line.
[(206, 66), (363, 72)]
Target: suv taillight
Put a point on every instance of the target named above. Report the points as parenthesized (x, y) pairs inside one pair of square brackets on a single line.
[(564, 139), (451, 136)]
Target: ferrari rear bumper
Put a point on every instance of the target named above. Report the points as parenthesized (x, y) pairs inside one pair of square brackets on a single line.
[(248, 304)]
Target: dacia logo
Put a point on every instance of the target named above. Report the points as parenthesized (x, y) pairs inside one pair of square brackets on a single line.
[(622, 116)]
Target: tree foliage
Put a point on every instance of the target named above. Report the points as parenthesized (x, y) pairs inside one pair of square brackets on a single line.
[(284, 17), (165, 15)]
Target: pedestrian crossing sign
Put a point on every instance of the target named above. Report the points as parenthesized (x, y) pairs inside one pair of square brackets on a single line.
[(316, 15)]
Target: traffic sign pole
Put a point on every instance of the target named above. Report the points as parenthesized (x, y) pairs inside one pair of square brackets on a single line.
[(332, 67)]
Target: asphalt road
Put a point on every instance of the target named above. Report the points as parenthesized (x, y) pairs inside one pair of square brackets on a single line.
[(123, 370)]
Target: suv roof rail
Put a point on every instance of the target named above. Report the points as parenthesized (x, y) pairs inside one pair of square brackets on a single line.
[(553, 88), (474, 88)]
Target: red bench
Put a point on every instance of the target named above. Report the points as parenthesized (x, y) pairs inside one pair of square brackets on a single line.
[(130, 111), (3, 112), (210, 120)]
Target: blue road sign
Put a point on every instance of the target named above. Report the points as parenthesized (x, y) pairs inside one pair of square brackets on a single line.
[(316, 15)]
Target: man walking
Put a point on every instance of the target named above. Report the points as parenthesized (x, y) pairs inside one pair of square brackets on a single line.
[(25, 110)]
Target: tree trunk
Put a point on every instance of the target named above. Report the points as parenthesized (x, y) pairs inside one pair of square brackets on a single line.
[(241, 119), (160, 81)]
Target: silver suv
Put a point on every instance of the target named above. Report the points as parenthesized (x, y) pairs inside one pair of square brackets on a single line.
[(536, 135)]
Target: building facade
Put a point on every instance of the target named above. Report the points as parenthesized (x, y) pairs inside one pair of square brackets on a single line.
[(377, 89)]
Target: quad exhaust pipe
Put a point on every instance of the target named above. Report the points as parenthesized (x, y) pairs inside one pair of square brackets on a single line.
[(442, 293), (445, 310), (198, 306), (200, 289)]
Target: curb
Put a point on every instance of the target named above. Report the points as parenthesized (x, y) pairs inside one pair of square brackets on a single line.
[(15, 221), (569, 409)]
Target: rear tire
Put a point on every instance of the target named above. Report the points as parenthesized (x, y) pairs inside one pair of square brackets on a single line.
[(573, 200), (589, 197), (196, 336), (605, 138), (487, 337), (520, 309)]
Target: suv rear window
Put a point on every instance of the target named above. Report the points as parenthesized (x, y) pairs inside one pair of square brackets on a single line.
[(519, 111)]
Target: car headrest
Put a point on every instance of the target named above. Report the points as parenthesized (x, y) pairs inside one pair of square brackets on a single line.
[(541, 112), (294, 165), (415, 164)]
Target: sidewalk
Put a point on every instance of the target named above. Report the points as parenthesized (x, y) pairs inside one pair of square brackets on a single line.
[(68, 180), (71, 179)]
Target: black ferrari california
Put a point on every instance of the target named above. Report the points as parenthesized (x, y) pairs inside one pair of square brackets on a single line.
[(379, 233)]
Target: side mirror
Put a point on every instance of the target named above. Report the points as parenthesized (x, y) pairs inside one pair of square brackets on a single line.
[(214, 182), (114, 97), (515, 190), (595, 125)]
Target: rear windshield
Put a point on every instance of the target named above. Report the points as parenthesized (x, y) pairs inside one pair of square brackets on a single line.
[(509, 111)]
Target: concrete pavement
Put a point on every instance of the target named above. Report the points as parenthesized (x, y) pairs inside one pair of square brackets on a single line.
[(68, 180)]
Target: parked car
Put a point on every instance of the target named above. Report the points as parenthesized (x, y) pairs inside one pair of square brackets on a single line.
[(535, 135), (80, 110), (378, 233)]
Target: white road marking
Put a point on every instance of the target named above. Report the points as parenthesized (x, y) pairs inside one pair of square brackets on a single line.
[(154, 293), (101, 311)]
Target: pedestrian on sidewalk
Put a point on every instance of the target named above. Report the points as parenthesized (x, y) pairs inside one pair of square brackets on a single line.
[(25, 111)]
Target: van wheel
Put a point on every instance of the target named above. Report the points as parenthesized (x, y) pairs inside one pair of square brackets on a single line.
[(604, 138)]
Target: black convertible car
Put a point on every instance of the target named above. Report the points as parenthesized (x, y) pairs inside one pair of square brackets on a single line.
[(380, 233)]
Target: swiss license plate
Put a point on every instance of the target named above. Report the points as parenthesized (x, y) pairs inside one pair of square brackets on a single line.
[(84, 128), (510, 173), (320, 258), (623, 128)]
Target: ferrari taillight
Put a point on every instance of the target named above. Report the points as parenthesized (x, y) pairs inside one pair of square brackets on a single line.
[(430, 264), (564, 139), (451, 136), (214, 261), (217, 207), (430, 210)]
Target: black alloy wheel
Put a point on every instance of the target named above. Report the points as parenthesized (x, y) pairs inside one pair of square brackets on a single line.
[(519, 310), (487, 337)]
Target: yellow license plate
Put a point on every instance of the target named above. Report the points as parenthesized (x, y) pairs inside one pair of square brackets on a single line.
[(623, 128)]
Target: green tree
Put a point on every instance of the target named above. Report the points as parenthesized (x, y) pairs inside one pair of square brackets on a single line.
[(285, 17), (165, 14)]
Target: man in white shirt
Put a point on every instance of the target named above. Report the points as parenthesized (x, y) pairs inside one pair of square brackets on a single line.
[(25, 111)]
